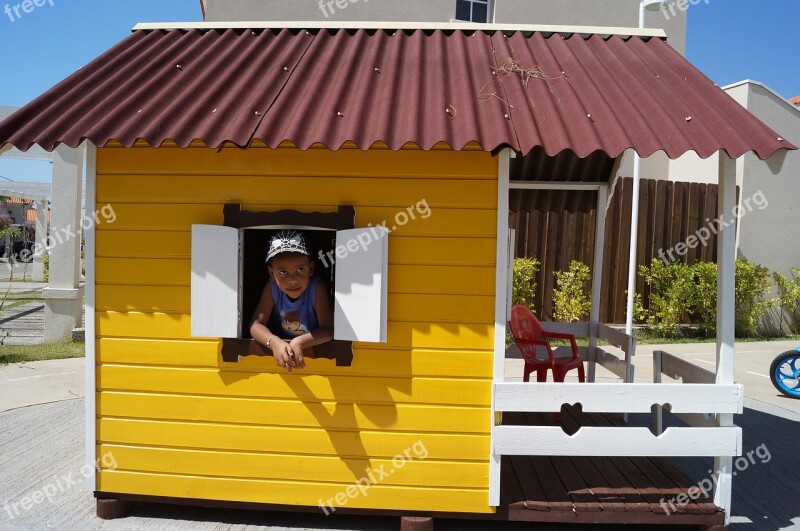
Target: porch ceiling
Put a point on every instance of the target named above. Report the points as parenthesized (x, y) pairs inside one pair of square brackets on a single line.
[(555, 91)]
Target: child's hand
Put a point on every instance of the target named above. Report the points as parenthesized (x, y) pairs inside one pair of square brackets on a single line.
[(297, 349), (284, 355), (288, 355)]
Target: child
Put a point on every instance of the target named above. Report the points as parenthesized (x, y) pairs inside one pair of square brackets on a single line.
[(294, 312)]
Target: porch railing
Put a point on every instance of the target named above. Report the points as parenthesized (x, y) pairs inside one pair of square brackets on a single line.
[(696, 399)]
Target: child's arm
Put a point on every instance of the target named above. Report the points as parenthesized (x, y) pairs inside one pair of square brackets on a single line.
[(324, 333), (284, 355)]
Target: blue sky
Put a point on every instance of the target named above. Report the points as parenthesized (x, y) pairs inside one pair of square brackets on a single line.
[(729, 40)]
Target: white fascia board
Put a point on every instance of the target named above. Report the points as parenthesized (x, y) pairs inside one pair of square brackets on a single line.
[(463, 26), (765, 87)]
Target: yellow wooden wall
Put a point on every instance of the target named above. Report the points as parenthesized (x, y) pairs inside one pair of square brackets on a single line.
[(181, 423)]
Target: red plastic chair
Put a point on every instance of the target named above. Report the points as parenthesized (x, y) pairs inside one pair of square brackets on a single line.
[(528, 334)]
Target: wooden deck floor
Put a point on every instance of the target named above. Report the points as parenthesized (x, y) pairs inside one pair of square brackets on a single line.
[(599, 490)]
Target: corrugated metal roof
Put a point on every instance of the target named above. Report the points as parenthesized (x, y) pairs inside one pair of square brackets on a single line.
[(582, 93)]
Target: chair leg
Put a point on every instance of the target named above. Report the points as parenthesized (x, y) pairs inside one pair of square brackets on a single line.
[(581, 374), (526, 374), (541, 375)]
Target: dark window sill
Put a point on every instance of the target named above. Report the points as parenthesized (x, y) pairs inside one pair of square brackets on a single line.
[(341, 351)]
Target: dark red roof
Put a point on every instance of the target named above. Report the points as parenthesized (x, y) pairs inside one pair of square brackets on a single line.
[(422, 87)]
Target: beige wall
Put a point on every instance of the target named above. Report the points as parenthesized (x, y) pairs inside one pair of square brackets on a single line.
[(623, 13), (770, 236)]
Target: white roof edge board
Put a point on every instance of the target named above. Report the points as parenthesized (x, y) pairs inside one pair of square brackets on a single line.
[(467, 26), (765, 87)]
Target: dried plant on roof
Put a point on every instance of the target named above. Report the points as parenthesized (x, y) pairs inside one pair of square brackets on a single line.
[(513, 66)]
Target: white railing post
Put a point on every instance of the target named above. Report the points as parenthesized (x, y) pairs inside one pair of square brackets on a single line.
[(658, 414), (597, 279)]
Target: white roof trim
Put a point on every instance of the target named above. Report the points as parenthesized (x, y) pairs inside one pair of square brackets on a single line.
[(308, 25), (765, 87)]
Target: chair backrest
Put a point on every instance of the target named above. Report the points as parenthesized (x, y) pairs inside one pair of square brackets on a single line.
[(525, 325)]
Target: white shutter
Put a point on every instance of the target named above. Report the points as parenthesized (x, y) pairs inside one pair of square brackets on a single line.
[(215, 281), (362, 261)]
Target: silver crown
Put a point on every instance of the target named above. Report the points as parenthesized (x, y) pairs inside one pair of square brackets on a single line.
[(287, 241)]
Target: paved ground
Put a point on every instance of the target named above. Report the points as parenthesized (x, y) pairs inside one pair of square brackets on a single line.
[(41, 444), (23, 324)]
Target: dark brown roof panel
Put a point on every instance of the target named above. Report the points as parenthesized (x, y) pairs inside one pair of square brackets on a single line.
[(395, 87)]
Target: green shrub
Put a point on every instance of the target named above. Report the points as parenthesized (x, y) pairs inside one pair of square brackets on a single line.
[(639, 311), (673, 291), (680, 291), (572, 297), (752, 286), (789, 298), (524, 282), (704, 309)]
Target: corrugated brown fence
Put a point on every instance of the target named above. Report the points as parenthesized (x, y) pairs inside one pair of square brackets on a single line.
[(669, 213)]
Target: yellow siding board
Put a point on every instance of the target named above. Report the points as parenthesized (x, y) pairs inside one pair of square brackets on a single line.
[(402, 307), (328, 415), (430, 335), (416, 472), (396, 193), (144, 217), (143, 325), (402, 278), (463, 281), (134, 244), (322, 163), (442, 222), (280, 440), (455, 251), (301, 385), (295, 493), (151, 271), (367, 362)]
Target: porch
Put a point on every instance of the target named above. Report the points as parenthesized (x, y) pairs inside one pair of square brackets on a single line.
[(589, 465)]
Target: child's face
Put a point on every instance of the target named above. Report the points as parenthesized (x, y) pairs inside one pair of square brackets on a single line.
[(292, 273)]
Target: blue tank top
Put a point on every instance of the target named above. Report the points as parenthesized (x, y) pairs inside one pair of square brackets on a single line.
[(290, 318)]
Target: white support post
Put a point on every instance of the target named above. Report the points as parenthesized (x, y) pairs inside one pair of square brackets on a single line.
[(41, 240), (637, 165), (90, 364), (726, 332), (597, 278), (500, 310), (63, 296)]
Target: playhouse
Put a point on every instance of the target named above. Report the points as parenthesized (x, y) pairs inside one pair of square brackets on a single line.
[(396, 149)]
